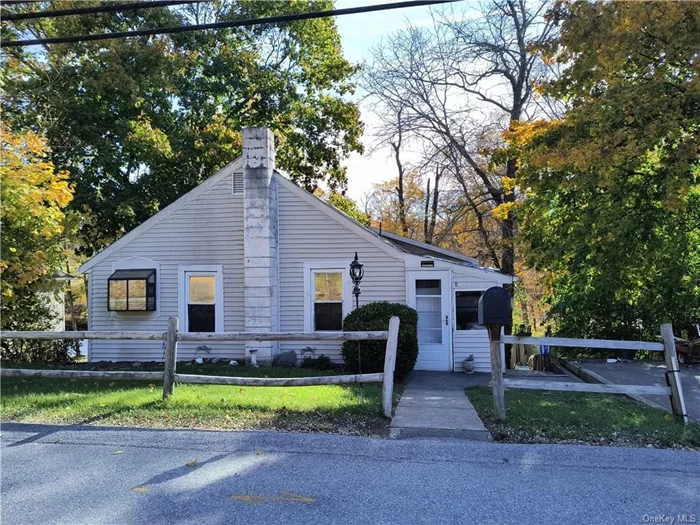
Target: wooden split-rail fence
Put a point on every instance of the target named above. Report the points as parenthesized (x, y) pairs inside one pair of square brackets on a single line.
[(169, 376), (673, 387)]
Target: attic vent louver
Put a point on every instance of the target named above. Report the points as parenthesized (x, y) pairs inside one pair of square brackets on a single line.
[(237, 183)]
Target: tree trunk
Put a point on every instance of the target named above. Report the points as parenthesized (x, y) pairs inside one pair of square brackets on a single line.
[(434, 210), (507, 237), (396, 146), (70, 299), (427, 238)]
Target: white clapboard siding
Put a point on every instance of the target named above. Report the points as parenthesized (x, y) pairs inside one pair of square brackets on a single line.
[(206, 231), (476, 341), (307, 234)]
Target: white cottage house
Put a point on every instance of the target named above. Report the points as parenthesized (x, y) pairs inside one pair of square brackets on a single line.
[(248, 250)]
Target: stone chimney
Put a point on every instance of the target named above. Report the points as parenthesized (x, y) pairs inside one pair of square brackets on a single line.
[(260, 239)]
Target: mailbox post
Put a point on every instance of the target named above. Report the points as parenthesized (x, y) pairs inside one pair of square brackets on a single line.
[(495, 310)]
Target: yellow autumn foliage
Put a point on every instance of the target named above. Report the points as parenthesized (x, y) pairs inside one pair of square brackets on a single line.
[(509, 184), (33, 197), (502, 211)]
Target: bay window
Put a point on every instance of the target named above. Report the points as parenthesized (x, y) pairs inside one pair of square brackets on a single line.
[(132, 291)]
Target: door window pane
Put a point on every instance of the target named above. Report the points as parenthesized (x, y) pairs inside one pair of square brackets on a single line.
[(328, 301), (428, 304), (428, 287), (429, 315), (430, 336), (202, 289), (117, 295), (328, 287)]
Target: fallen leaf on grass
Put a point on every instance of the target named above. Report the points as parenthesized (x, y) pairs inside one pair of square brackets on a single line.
[(191, 463), (140, 489), (116, 452)]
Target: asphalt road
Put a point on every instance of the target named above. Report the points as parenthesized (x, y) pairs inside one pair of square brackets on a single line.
[(97, 475)]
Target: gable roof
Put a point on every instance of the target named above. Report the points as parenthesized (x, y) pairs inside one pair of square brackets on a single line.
[(422, 249), (235, 166), (391, 244)]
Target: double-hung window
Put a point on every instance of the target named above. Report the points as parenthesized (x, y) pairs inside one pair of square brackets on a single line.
[(327, 305), (201, 300)]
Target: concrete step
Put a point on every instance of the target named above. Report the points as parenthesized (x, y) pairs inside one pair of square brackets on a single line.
[(441, 413), (407, 433)]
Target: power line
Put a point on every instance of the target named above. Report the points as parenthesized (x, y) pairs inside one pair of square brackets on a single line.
[(105, 8), (227, 24)]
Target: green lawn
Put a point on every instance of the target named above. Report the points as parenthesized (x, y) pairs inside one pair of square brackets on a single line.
[(327, 408), (540, 416)]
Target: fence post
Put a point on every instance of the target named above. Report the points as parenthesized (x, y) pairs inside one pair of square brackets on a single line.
[(392, 343), (673, 378), (170, 357), (496, 371)]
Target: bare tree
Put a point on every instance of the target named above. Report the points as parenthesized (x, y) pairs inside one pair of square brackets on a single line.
[(457, 86), (396, 143)]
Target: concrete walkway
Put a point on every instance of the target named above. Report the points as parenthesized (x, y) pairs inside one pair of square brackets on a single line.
[(434, 404)]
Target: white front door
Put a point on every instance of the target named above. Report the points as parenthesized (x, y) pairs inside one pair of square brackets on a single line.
[(429, 294)]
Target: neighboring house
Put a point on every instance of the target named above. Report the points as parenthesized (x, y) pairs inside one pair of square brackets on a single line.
[(55, 301), (248, 250)]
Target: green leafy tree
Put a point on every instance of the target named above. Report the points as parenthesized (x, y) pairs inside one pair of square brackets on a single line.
[(344, 204), (618, 262), (137, 122), (349, 206), (613, 208), (632, 85)]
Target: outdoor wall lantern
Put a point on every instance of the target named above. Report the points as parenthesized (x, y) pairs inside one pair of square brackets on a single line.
[(356, 274)]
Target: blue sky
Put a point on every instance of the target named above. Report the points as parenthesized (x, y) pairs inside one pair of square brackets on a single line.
[(360, 33)]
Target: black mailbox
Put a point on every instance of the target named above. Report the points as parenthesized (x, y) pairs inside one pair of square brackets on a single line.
[(495, 307)]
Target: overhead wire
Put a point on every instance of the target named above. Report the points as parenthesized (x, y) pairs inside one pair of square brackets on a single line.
[(105, 8), (226, 24), (18, 2)]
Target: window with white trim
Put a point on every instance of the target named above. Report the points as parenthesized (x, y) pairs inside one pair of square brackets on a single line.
[(201, 299), (327, 304)]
